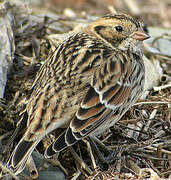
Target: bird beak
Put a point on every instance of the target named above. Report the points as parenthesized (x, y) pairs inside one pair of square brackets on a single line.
[(140, 35)]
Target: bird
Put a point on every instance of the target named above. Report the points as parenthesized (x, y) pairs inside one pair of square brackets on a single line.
[(85, 86)]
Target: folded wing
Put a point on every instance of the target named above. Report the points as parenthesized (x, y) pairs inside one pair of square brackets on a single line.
[(110, 89)]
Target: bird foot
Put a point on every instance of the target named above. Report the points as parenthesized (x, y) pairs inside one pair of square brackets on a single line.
[(105, 157), (105, 161)]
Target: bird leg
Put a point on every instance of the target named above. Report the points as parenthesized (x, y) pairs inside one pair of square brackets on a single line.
[(105, 157)]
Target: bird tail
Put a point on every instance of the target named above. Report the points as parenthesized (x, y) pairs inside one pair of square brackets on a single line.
[(17, 160), (66, 139)]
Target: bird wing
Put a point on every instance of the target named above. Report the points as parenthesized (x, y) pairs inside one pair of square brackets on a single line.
[(110, 88)]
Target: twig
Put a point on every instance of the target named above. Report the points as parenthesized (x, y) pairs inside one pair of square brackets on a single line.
[(134, 167), (162, 150), (159, 155), (151, 102), (159, 88), (149, 157), (152, 115), (112, 10), (32, 168), (118, 165), (77, 174), (79, 160)]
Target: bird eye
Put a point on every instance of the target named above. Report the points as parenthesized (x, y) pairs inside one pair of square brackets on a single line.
[(119, 28)]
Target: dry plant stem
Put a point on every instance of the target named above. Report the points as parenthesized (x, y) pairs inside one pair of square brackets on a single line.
[(106, 138), (133, 166), (81, 170), (16, 96), (130, 169), (112, 10), (159, 155), (91, 153), (152, 115), (32, 168), (165, 173), (169, 156), (149, 157), (118, 165), (77, 174), (4, 169), (154, 168), (129, 128), (162, 150), (159, 134), (80, 161), (159, 88), (150, 102)]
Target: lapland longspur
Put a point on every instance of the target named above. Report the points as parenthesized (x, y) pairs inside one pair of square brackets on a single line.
[(86, 86)]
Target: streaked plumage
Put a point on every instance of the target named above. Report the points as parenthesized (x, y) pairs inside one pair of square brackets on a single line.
[(86, 86)]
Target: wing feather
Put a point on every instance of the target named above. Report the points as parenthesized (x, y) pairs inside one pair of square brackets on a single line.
[(103, 95)]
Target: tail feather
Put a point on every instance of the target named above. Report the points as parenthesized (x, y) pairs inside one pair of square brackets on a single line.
[(17, 161), (67, 138), (59, 144)]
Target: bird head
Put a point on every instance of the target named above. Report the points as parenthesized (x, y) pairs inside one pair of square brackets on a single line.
[(120, 31)]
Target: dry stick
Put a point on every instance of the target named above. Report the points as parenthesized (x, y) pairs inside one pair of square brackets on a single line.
[(112, 10), (155, 149), (169, 156), (118, 165), (167, 172), (106, 138), (129, 168), (135, 168), (77, 174), (150, 102), (7, 170), (159, 88), (159, 155), (80, 160), (32, 168), (154, 168), (152, 115), (149, 157), (16, 96)]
